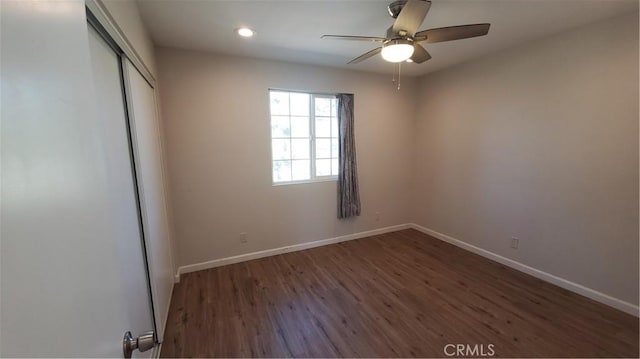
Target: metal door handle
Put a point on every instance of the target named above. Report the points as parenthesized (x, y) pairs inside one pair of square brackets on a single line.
[(143, 343)]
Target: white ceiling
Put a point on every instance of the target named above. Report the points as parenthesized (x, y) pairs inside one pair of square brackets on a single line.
[(290, 30)]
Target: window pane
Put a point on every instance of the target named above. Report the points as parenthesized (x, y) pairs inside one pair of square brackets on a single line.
[(299, 121), (323, 127), (323, 106), (299, 126), (280, 126), (301, 170), (280, 149), (299, 104), (323, 167), (281, 171), (279, 103), (323, 148), (300, 149), (334, 127)]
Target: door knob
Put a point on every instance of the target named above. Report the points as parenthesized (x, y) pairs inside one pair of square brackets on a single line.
[(143, 343)]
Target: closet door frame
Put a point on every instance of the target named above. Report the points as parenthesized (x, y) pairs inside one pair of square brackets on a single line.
[(100, 16), (97, 26), (156, 256)]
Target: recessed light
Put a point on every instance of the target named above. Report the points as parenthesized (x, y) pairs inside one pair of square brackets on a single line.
[(409, 60), (245, 32)]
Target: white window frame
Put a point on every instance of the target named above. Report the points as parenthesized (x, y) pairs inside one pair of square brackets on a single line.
[(312, 137)]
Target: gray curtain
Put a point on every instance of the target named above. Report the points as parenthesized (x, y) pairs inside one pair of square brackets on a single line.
[(348, 192)]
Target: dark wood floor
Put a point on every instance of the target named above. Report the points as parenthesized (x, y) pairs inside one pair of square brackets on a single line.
[(402, 294)]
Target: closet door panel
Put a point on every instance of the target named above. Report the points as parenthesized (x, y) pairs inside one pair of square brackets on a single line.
[(149, 165)]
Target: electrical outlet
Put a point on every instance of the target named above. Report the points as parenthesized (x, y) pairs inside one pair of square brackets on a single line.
[(243, 237), (514, 242), (377, 216)]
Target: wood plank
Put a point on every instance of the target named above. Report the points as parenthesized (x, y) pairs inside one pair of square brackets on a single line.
[(401, 294)]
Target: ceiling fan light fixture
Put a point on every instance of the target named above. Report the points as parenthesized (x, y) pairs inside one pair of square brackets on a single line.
[(397, 50), (245, 32)]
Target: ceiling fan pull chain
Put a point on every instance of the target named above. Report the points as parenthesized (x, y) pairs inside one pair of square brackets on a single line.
[(393, 79), (399, 73)]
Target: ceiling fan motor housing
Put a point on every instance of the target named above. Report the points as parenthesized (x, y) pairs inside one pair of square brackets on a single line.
[(395, 7), (391, 34)]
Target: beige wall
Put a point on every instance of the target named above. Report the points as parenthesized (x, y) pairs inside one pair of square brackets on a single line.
[(539, 142), (218, 136)]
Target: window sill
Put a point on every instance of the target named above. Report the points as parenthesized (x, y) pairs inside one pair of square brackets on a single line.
[(319, 180)]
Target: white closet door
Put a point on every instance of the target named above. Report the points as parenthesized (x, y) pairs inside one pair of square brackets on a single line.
[(133, 286), (72, 278), (149, 167)]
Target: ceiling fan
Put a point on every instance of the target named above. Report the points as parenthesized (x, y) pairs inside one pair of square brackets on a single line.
[(402, 40)]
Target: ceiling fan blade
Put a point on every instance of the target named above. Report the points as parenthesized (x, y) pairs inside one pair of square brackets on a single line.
[(411, 16), (452, 33), (420, 55), (365, 56), (356, 38)]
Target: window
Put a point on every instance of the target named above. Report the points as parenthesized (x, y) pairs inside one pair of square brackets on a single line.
[(304, 136)]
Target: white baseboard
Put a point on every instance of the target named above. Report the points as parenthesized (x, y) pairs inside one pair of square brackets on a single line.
[(292, 248), (547, 277)]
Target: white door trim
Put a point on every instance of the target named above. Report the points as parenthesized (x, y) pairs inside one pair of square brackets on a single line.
[(102, 16)]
